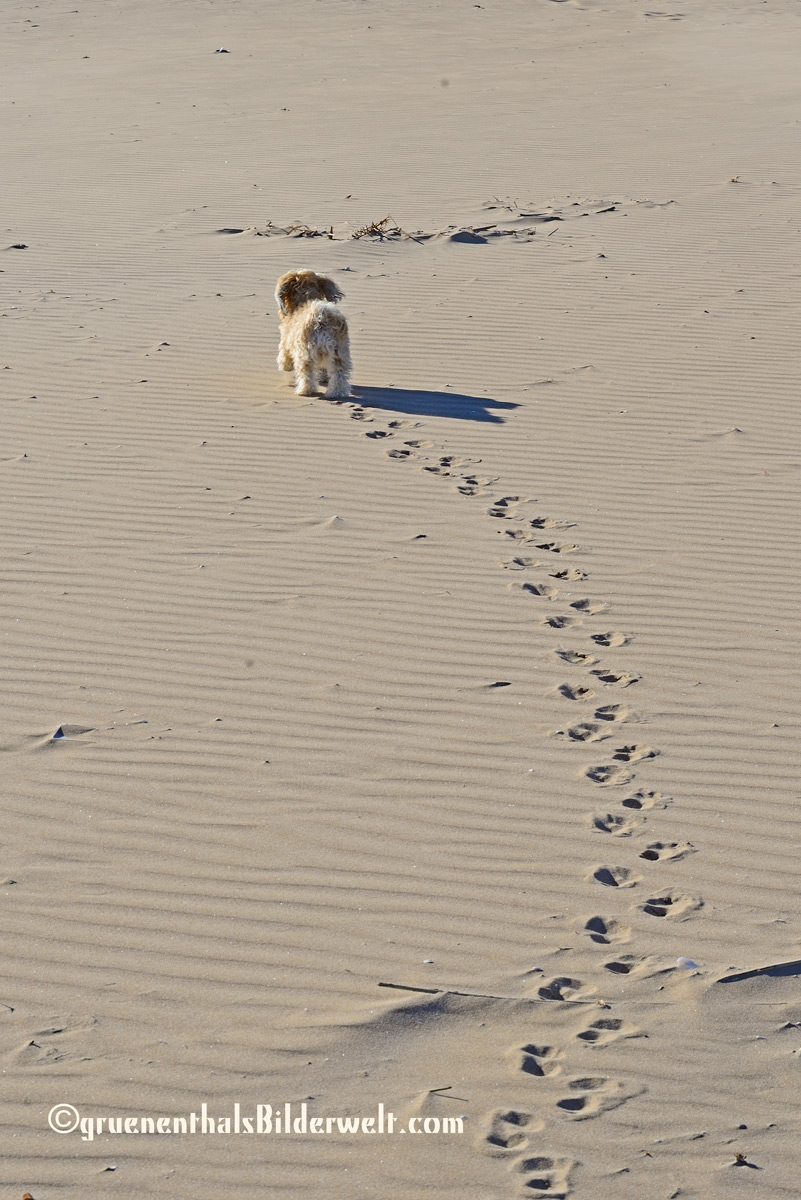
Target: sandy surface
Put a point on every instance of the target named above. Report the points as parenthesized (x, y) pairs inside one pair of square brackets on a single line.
[(483, 683)]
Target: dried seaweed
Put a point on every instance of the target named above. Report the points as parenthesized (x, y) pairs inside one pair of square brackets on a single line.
[(309, 232), (387, 225)]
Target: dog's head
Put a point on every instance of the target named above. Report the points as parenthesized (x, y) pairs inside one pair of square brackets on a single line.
[(297, 288)]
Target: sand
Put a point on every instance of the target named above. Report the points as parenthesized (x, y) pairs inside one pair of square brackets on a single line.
[(482, 683)]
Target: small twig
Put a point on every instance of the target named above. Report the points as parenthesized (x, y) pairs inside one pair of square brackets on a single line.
[(438, 1092)]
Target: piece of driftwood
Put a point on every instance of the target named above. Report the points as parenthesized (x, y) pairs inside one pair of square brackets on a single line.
[(774, 969)]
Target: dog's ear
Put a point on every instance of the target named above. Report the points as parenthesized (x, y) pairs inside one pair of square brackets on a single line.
[(331, 292), (286, 293)]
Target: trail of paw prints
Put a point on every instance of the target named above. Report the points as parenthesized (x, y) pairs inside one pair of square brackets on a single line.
[(538, 554), (603, 724), (630, 821), (559, 1091), (511, 511), (402, 448), (667, 903), (581, 1095), (634, 821), (505, 1133), (535, 533)]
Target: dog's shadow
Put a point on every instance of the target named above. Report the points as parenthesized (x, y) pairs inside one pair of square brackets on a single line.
[(432, 404)]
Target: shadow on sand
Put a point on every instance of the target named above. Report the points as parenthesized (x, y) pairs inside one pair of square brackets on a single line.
[(432, 404)]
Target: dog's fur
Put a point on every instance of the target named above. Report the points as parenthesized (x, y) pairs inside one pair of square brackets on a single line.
[(314, 334)]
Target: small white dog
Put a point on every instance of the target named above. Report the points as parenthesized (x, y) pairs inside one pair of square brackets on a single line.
[(314, 334)]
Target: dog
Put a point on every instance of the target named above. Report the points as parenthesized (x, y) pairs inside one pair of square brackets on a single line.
[(314, 334)]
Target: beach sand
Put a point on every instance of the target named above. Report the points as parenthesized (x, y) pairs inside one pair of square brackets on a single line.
[(482, 683)]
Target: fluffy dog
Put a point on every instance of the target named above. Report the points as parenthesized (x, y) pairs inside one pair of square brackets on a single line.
[(314, 334)]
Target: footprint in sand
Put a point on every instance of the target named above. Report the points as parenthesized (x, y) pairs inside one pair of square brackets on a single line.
[(618, 877), (550, 523), (642, 799), (517, 535), (585, 731), (611, 639), (572, 574), (576, 658), (562, 622), (561, 988), (403, 424), (379, 433), (556, 548), (664, 851), (399, 453), (591, 1095), (614, 823), (570, 692), (633, 753), (621, 679), (474, 485), (545, 1176), (590, 607), (606, 931), (506, 507), (608, 775), (612, 712), (541, 590), (448, 463), (520, 564), (672, 904), (537, 1060), (632, 964), (507, 1129), (606, 1030)]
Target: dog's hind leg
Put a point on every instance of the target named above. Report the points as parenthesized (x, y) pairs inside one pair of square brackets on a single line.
[(284, 359), (304, 376), (338, 381)]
